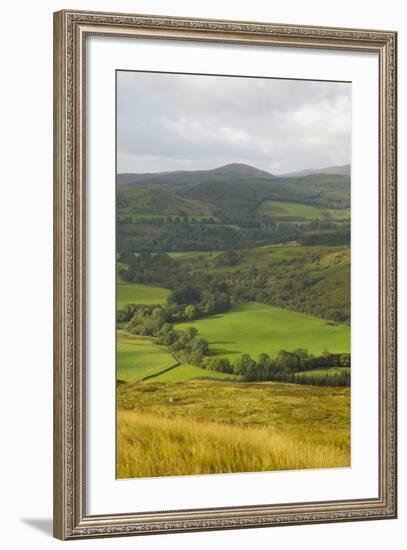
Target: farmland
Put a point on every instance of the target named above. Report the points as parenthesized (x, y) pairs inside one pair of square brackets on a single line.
[(130, 293), (333, 371), (289, 211), (140, 357), (256, 328)]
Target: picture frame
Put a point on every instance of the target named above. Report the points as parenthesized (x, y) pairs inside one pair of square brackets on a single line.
[(72, 519)]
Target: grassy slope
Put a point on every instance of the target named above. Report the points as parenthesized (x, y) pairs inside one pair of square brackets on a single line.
[(129, 293), (296, 211), (185, 447), (255, 328), (138, 357), (190, 372), (322, 411), (136, 201), (209, 427), (311, 279)]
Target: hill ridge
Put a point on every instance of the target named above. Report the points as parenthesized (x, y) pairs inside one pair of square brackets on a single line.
[(233, 170)]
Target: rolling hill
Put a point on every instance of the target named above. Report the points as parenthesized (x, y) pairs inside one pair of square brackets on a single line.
[(232, 194), (228, 172), (343, 170)]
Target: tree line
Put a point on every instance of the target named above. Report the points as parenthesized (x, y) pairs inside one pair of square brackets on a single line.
[(201, 237), (185, 303), (285, 367)]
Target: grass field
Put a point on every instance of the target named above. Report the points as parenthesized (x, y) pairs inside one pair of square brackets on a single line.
[(256, 328), (190, 372), (333, 371), (296, 211), (131, 293), (218, 427), (138, 357)]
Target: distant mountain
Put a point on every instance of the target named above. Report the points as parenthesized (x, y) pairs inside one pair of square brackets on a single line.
[(343, 170), (237, 172), (241, 170), (229, 172), (232, 193)]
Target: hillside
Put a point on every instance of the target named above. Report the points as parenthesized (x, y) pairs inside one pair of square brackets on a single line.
[(242, 184), (272, 240), (245, 427), (230, 197), (343, 170), (228, 172)]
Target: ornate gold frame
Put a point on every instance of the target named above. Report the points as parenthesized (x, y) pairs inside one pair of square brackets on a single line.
[(70, 31)]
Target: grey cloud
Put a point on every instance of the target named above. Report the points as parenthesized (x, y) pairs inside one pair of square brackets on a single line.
[(171, 122)]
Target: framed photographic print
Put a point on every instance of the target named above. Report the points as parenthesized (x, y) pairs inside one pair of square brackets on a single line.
[(225, 274)]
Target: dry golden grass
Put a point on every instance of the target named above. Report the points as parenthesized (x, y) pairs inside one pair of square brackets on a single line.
[(152, 446)]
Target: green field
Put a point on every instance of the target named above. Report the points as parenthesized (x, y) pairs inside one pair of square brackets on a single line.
[(333, 371), (256, 328), (296, 211), (138, 357), (131, 293), (158, 203), (190, 372)]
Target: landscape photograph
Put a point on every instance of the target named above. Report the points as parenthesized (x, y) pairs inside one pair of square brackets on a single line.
[(233, 263)]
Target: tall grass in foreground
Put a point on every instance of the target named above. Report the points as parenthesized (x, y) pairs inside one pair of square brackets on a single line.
[(151, 446)]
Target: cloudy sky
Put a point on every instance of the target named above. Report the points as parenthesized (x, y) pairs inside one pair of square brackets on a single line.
[(189, 122)]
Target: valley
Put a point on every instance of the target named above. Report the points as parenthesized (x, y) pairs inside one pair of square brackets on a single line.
[(233, 321)]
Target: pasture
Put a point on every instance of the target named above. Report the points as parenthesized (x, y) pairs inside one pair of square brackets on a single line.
[(280, 210), (333, 371), (191, 372), (138, 357), (258, 328), (132, 293)]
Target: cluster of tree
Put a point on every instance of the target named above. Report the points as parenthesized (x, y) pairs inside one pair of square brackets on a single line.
[(298, 283), (188, 303), (147, 320), (190, 219), (184, 304), (333, 380), (238, 199), (227, 259), (147, 268), (295, 282), (328, 238), (186, 237), (124, 315), (186, 344), (142, 218), (153, 321), (195, 293), (284, 368)]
